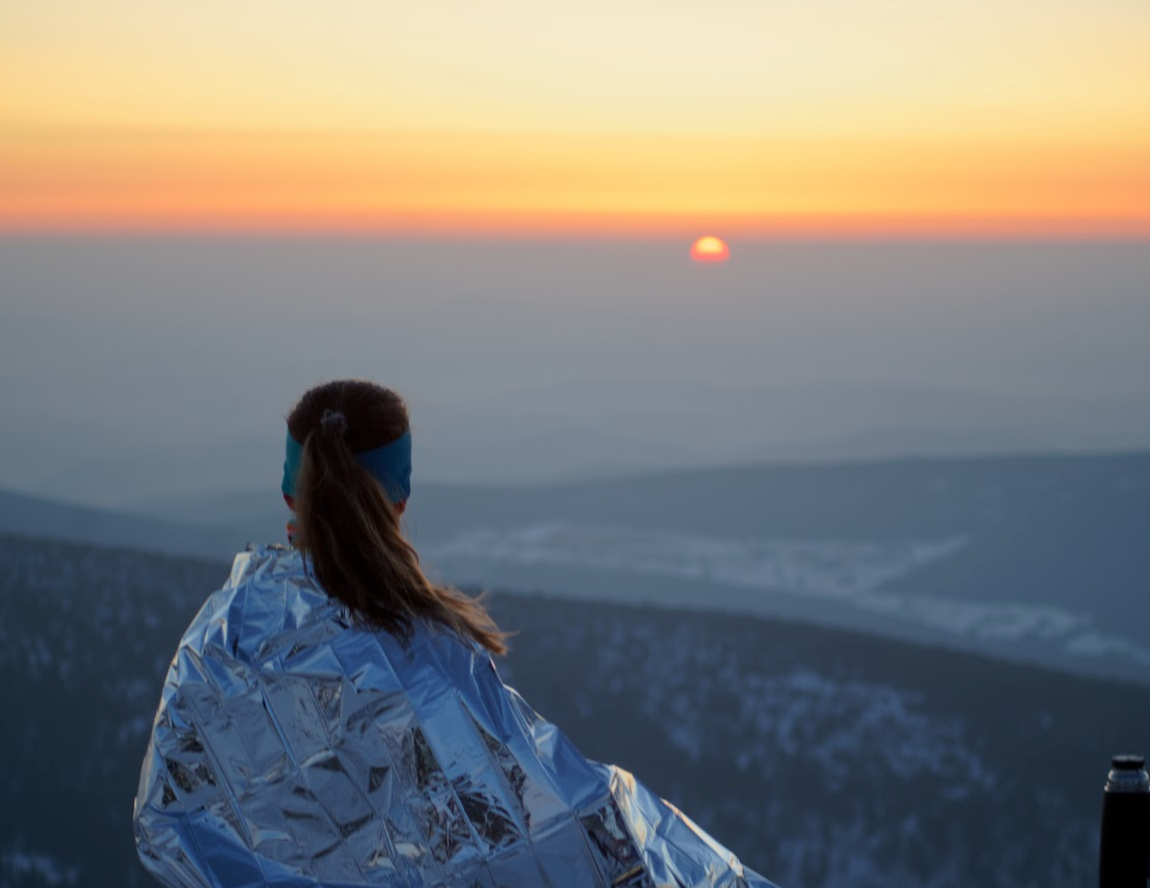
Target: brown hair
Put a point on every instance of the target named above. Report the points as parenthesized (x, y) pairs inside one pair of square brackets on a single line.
[(348, 527)]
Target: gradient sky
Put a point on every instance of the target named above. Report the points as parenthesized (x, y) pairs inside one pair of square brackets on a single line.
[(577, 117)]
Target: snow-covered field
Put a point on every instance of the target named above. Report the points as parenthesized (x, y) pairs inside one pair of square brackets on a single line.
[(807, 567), (843, 579)]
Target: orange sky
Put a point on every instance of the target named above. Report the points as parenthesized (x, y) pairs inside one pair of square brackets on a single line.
[(587, 118)]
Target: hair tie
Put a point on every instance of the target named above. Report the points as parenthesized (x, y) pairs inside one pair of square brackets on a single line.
[(334, 418)]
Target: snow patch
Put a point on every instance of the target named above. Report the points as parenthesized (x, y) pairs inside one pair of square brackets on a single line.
[(846, 573), (822, 568), (17, 865)]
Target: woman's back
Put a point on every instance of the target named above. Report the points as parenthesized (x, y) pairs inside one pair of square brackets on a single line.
[(332, 715), (295, 745)]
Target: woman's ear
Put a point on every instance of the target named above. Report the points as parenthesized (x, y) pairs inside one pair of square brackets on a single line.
[(400, 506)]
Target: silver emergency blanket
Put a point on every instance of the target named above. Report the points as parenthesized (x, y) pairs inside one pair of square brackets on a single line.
[(295, 747)]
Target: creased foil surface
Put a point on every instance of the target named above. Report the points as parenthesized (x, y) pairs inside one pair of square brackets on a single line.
[(294, 747)]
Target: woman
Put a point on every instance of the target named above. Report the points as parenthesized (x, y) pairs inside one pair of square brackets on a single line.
[(334, 717)]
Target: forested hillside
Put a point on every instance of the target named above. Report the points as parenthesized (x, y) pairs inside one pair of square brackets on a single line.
[(823, 758)]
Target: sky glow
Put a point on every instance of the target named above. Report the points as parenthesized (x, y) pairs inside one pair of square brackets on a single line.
[(565, 117)]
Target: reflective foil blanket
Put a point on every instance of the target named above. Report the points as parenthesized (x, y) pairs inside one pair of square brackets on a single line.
[(295, 747)]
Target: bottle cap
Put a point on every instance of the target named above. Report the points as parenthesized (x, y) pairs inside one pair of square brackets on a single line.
[(1127, 774)]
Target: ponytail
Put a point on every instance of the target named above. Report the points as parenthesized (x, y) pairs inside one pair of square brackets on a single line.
[(350, 531)]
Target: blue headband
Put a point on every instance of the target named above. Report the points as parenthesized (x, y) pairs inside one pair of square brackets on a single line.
[(390, 465)]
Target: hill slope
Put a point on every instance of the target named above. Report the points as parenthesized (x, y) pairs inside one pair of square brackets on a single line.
[(823, 758), (1038, 558), (36, 517)]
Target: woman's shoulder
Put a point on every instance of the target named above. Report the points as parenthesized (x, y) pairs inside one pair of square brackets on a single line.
[(271, 611), (266, 563), (268, 597)]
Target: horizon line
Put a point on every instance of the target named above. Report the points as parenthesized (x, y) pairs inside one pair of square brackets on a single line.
[(576, 227)]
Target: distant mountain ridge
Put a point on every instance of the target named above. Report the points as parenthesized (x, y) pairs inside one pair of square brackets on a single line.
[(1039, 558), (1043, 558), (843, 498), (31, 516), (853, 499)]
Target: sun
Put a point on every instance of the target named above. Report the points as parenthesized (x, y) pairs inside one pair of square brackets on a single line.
[(710, 249)]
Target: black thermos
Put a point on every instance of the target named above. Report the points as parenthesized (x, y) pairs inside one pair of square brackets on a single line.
[(1124, 858)]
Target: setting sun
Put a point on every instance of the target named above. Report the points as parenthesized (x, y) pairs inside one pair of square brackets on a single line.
[(710, 249)]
